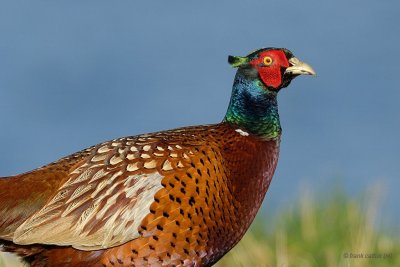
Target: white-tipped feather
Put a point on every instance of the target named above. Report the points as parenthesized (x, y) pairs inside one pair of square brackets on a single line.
[(93, 195)]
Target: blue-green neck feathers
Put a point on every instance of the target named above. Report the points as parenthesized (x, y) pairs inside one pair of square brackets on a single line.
[(253, 107)]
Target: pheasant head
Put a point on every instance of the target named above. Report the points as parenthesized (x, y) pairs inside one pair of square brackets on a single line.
[(260, 75)]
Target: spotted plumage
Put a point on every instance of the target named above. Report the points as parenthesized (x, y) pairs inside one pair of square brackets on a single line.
[(181, 197)]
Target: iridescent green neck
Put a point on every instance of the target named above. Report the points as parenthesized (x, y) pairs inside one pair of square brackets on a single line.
[(254, 108)]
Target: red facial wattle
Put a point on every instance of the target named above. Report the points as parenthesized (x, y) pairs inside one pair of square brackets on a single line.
[(271, 74)]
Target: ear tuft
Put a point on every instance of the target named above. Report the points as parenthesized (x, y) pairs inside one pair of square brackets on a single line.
[(236, 62)]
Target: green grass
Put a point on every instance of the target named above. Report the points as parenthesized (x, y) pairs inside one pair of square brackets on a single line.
[(8, 260), (320, 233), (314, 232)]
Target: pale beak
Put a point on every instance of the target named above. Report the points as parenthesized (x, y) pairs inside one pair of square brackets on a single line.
[(299, 68)]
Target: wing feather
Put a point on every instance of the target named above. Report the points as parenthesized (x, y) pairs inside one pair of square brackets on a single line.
[(105, 198)]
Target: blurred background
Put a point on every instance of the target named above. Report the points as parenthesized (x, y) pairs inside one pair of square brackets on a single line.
[(75, 73)]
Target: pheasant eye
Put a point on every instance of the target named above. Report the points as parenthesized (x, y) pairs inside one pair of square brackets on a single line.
[(267, 61)]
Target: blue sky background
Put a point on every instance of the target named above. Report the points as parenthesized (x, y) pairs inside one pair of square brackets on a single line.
[(75, 73)]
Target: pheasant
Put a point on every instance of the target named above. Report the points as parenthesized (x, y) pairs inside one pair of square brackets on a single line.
[(182, 197)]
